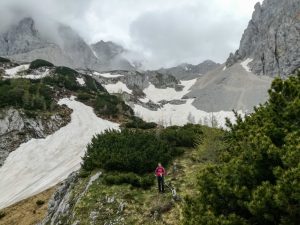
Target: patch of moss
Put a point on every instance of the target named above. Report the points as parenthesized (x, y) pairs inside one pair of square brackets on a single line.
[(65, 71)]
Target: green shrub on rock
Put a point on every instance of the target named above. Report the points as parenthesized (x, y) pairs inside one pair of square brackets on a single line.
[(63, 77), (127, 151), (40, 63), (185, 136), (138, 123), (26, 94), (62, 70), (144, 181), (4, 60)]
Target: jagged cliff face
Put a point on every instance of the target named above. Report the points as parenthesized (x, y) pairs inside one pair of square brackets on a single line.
[(111, 56), (77, 49), (272, 39), (21, 38)]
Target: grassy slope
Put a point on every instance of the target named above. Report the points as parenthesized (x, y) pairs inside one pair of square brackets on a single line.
[(27, 212), (141, 206)]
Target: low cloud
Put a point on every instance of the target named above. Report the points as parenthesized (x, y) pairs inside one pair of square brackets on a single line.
[(162, 32)]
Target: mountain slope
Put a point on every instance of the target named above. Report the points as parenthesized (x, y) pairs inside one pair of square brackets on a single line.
[(160, 98), (272, 39), (230, 88), (187, 71), (45, 145), (54, 157)]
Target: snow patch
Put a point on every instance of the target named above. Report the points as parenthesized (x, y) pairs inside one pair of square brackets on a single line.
[(182, 114), (225, 67), (95, 54), (108, 75), (80, 81), (144, 100), (168, 94), (119, 87), (245, 63), (42, 163), (13, 71)]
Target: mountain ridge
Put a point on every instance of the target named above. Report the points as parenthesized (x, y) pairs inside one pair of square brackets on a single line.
[(23, 42), (186, 71)]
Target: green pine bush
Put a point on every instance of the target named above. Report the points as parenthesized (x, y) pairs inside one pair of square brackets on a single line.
[(185, 136), (136, 122), (40, 63), (257, 177), (134, 151), (26, 94)]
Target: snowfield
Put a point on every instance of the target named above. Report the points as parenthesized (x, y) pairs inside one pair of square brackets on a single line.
[(108, 75), (168, 94), (182, 114), (13, 71), (42, 163), (173, 114), (80, 81), (119, 87)]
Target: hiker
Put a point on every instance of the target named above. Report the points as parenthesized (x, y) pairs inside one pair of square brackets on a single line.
[(160, 172)]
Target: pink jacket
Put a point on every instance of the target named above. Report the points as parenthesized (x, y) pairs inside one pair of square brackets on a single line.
[(160, 171)]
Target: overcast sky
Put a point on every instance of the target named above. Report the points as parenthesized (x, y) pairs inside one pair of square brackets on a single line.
[(163, 32)]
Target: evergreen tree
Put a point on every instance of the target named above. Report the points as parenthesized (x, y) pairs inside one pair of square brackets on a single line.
[(257, 179)]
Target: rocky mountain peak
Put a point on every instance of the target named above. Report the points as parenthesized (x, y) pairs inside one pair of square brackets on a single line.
[(24, 42), (21, 38), (27, 24), (111, 56), (106, 50), (272, 39)]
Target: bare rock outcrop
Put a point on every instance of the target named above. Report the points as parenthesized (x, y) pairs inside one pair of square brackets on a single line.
[(272, 39), (17, 127)]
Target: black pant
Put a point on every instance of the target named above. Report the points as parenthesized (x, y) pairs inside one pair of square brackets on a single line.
[(161, 185)]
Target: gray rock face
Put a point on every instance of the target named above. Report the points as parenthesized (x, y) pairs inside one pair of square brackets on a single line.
[(78, 51), (62, 204), (24, 43), (21, 38), (110, 56), (107, 50), (272, 39), (187, 71), (140, 80), (59, 205), (137, 82), (16, 128)]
